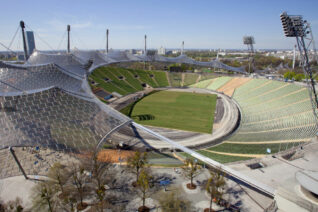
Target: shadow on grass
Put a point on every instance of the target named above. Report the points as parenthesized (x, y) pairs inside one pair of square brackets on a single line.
[(144, 117)]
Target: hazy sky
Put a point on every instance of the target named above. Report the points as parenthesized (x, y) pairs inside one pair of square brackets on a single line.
[(201, 24)]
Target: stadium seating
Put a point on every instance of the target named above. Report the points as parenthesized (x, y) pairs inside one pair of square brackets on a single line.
[(175, 79), (272, 113), (190, 78), (218, 82), (202, 84), (231, 85)]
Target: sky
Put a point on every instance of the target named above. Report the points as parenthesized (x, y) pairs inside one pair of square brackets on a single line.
[(205, 24)]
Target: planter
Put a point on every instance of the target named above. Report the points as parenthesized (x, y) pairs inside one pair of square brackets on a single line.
[(191, 187), (143, 209), (81, 207)]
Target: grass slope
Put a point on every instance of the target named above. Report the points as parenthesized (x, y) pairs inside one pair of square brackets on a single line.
[(177, 110)]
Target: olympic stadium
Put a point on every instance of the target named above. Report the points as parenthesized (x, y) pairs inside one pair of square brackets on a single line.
[(49, 103)]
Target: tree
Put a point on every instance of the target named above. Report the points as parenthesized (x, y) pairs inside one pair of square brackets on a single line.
[(215, 186), (143, 185), (174, 201), (190, 170), (289, 75), (79, 178), (137, 162), (59, 175), (11, 206), (100, 178), (299, 77), (44, 197)]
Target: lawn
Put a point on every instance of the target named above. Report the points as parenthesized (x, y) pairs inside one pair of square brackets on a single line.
[(251, 148), (217, 157), (177, 110)]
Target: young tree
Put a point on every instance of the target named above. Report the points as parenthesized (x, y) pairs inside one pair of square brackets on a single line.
[(174, 201), (137, 162), (12, 206), (59, 175), (100, 178), (143, 185), (79, 178), (190, 170), (44, 197), (215, 186)]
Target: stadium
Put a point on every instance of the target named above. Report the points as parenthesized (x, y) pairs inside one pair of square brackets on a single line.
[(59, 107)]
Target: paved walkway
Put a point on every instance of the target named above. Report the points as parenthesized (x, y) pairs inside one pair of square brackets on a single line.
[(236, 154), (269, 142)]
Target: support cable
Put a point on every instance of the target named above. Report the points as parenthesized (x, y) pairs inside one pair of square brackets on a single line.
[(40, 38), (7, 48), (63, 36), (13, 38)]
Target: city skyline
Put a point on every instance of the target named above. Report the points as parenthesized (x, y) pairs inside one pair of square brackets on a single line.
[(202, 25)]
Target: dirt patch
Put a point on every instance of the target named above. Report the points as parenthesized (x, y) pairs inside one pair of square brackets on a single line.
[(143, 209), (110, 155), (191, 186), (114, 156)]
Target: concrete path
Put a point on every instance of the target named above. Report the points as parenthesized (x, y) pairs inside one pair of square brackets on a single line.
[(236, 154)]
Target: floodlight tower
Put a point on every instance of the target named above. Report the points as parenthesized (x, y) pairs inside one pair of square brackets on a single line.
[(294, 56), (68, 38), (295, 26), (24, 42), (249, 41), (107, 34)]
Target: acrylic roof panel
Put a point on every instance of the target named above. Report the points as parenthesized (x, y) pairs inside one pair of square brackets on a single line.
[(53, 118), (32, 78), (67, 62), (122, 56)]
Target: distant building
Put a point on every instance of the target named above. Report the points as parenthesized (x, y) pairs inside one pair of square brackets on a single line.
[(132, 51), (30, 41), (140, 52), (175, 51), (162, 51)]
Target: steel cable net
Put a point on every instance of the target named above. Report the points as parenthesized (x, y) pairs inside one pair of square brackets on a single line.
[(47, 104)]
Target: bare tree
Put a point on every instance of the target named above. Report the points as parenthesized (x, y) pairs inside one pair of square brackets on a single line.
[(175, 202), (12, 206), (44, 197), (137, 162), (59, 175), (101, 176), (215, 186), (190, 170), (79, 178)]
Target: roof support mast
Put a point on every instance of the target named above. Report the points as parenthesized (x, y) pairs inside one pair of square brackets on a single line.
[(68, 38), (107, 33), (145, 44), (24, 42), (182, 50)]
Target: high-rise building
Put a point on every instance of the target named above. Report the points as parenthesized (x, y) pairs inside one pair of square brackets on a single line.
[(30, 41)]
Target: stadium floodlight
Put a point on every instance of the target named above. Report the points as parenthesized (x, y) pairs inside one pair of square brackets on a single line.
[(248, 40), (295, 26)]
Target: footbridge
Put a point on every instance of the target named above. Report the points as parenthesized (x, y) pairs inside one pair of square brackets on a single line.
[(230, 172)]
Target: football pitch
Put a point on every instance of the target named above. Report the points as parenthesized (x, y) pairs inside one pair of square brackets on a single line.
[(177, 110)]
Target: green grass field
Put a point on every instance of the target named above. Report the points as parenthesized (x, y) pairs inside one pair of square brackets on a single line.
[(177, 110)]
